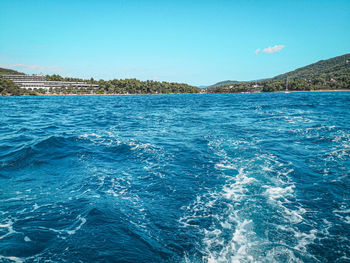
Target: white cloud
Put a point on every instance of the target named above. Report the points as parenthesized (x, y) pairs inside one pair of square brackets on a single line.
[(257, 51), (274, 49), (35, 67)]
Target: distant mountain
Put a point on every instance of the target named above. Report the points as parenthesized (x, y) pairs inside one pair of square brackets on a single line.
[(5, 71), (223, 83), (330, 74), (330, 68)]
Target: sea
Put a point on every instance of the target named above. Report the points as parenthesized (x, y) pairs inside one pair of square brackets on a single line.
[(260, 177)]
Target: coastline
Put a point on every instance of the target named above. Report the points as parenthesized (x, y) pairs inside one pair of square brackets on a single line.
[(291, 91), (319, 90), (280, 91)]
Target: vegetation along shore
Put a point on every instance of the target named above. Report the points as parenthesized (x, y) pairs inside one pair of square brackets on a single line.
[(326, 75)]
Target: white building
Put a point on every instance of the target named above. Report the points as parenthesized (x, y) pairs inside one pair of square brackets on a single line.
[(39, 82)]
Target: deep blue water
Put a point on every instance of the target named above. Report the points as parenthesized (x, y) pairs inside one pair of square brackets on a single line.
[(175, 178)]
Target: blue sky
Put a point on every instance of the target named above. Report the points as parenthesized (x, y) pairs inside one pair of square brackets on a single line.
[(196, 42)]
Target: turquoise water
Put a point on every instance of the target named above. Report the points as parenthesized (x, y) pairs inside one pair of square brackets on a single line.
[(175, 178)]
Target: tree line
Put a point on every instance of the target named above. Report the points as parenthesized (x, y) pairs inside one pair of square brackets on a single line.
[(9, 88), (134, 86), (115, 86), (341, 82), (330, 68), (123, 86)]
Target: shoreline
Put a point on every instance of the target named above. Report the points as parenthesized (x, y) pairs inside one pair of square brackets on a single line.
[(319, 90), (291, 91)]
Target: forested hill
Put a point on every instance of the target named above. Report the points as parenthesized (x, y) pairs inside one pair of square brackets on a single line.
[(223, 83), (331, 68), (115, 86), (5, 71), (330, 74)]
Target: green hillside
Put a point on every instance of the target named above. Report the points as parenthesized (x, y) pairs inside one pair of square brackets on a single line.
[(331, 68), (115, 86), (223, 83), (5, 71), (330, 74)]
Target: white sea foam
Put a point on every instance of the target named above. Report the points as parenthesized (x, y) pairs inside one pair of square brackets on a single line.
[(236, 190), (5, 225), (345, 211), (9, 226), (263, 185), (66, 231), (144, 146), (11, 258), (305, 239), (296, 119), (82, 222), (343, 215), (281, 254), (216, 246), (105, 138), (276, 192), (109, 138), (279, 196), (223, 166), (87, 135)]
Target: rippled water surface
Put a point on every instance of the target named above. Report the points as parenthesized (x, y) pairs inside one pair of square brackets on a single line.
[(175, 178)]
